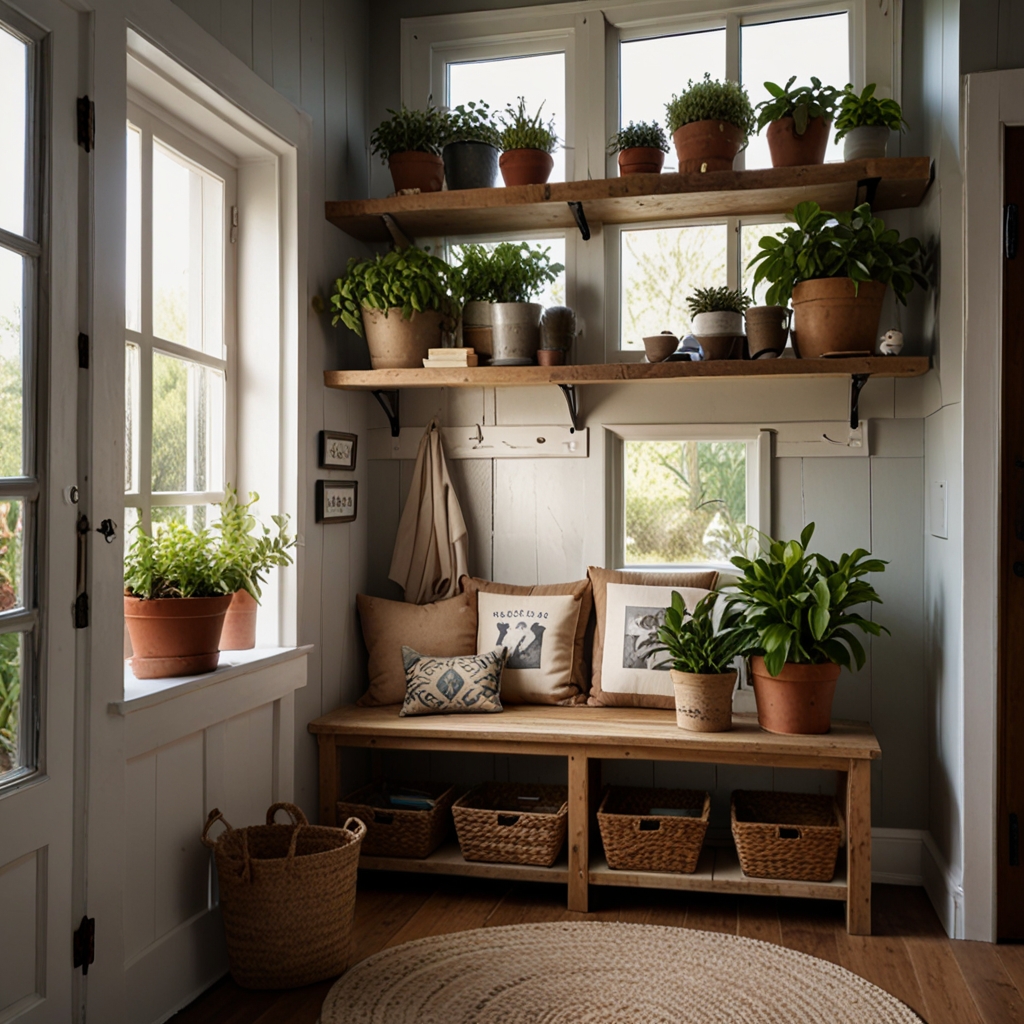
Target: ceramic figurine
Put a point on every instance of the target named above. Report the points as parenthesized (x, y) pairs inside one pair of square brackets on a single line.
[(891, 343)]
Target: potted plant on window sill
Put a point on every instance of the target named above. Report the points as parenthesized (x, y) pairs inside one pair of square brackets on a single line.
[(835, 268), (402, 303), (801, 607), (709, 123), (528, 144), (641, 148), (798, 121), (717, 320), (410, 142), (472, 147), (866, 122)]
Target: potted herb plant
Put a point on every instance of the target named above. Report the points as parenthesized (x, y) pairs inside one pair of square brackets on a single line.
[(866, 122), (410, 142), (401, 303), (254, 550), (702, 648), (717, 320), (835, 267), (507, 277), (472, 147), (709, 123), (798, 121), (641, 148), (801, 606), (528, 143)]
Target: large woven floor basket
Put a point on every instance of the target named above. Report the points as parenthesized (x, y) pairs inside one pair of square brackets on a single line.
[(287, 897), (638, 838), (399, 831), (787, 835), (512, 823)]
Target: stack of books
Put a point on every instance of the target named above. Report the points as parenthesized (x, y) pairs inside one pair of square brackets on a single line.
[(451, 357)]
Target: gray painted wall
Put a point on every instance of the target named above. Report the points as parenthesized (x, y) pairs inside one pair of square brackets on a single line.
[(991, 35)]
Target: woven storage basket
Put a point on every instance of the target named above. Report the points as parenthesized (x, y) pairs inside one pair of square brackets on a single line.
[(287, 897), (787, 835), (400, 831), (512, 823), (636, 840)]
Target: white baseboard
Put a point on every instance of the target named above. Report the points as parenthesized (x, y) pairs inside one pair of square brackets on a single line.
[(944, 890), (896, 856)]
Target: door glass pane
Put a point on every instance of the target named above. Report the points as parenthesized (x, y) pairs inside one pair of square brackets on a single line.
[(651, 71), (12, 270), (776, 50), (11, 665), (660, 267), (131, 417), (750, 237), (540, 79), (133, 227), (685, 501), (13, 130), (11, 552)]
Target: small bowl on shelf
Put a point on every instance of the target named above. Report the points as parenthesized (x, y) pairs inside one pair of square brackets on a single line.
[(660, 346)]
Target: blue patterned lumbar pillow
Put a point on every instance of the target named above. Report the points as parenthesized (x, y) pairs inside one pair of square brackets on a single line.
[(466, 683)]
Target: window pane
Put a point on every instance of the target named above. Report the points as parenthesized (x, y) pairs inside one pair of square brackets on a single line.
[(660, 267), (131, 417), (750, 236), (685, 501), (651, 71), (12, 270), (133, 239), (196, 516), (554, 293), (11, 664), (776, 50), (539, 79), (13, 130), (11, 551)]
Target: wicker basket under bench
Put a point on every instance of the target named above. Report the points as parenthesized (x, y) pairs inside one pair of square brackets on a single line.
[(400, 831)]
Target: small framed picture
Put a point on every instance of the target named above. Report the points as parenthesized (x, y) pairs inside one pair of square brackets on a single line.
[(337, 450), (336, 501)]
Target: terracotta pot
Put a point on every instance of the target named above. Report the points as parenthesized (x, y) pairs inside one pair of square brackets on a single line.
[(831, 319), (703, 702), (396, 343), (424, 171), (707, 146), (641, 160), (791, 150), (175, 636), (551, 357), (767, 331), (719, 346), (239, 632), (798, 701), (526, 166)]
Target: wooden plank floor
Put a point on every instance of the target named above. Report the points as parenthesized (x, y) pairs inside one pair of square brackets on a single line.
[(909, 955)]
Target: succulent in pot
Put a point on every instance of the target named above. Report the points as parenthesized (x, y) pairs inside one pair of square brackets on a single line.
[(798, 121), (717, 320), (641, 148), (865, 121), (472, 147), (802, 607), (710, 123), (528, 143), (702, 649), (410, 142), (402, 303), (835, 268)]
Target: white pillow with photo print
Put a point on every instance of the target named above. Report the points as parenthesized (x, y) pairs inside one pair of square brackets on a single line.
[(633, 616), (539, 633)]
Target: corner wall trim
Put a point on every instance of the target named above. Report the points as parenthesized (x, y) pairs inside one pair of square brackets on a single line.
[(944, 890)]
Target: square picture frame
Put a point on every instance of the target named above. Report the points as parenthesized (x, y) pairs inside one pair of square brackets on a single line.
[(337, 501), (337, 450)]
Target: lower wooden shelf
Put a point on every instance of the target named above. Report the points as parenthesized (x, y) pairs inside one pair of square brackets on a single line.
[(448, 860)]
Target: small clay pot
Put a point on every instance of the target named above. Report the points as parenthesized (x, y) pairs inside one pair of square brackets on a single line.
[(239, 633), (550, 357), (703, 702), (641, 160), (767, 331), (399, 344), (719, 346), (424, 171), (707, 146), (660, 346), (833, 318), (175, 636), (791, 150), (526, 166), (798, 701)]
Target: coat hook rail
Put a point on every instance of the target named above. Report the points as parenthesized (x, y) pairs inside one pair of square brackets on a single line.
[(857, 382), (572, 401), (388, 401)]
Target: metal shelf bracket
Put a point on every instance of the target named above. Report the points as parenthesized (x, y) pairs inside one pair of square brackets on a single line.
[(870, 186), (576, 208), (572, 401), (857, 382), (388, 401)]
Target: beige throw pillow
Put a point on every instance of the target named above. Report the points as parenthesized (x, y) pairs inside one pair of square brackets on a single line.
[(467, 684), (539, 634)]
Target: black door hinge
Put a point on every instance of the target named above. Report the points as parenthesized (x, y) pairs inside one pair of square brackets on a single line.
[(1014, 838), (86, 123), (1010, 231), (83, 351), (84, 944)]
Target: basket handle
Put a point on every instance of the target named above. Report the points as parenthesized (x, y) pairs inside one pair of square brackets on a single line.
[(211, 818), (507, 819), (788, 832), (295, 812), (647, 824), (355, 826)]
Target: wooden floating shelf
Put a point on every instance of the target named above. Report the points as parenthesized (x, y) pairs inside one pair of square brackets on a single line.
[(889, 184)]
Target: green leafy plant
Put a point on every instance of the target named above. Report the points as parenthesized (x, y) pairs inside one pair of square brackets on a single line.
[(648, 134), (510, 272), (249, 545), (472, 122), (408, 131), (177, 561), (851, 244), (520, 131), (801, 605), (867, 110), (704, 643), (410, 279), (10, 551), (717, 300), (10, 693), (711, 100), (803, 104)]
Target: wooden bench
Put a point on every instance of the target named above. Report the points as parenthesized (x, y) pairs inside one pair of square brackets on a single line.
[(586, 736)]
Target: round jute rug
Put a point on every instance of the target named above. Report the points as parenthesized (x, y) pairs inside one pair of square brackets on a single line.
[(603, 973)]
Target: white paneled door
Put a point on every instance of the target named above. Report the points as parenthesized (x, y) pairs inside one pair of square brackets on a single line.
[(40, 163)]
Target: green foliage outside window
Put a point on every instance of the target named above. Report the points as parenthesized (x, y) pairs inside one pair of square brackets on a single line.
[(10, 690)]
